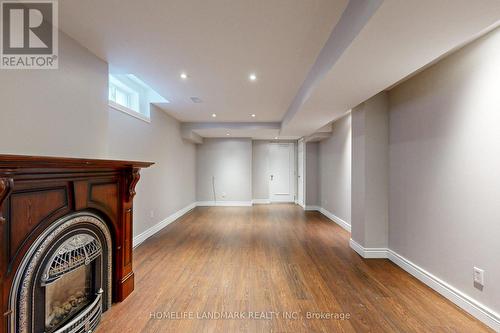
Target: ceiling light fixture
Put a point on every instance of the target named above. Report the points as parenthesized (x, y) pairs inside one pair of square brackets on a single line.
[(214, 115), (227, 134), (253, 115), (275, 138), (252, 77), (184, 76)]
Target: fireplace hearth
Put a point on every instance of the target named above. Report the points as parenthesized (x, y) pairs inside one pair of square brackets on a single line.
[(65, 241)]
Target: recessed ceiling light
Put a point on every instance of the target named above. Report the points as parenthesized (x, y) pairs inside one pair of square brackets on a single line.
[(184, 76), (227, 134), (214, 115), (252, 77), (253, 115), (275, 138)]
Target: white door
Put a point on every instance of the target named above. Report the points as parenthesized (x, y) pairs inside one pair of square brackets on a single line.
[(281, 172), (300, 173)]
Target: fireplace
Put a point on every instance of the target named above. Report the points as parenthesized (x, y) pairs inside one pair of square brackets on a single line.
[(64, 283), (65, 241)]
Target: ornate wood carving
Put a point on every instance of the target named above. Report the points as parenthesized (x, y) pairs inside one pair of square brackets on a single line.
[(133, 179), (43, 189), (6, 186)]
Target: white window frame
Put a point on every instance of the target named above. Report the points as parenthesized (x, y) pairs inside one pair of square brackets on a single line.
[(128, 111), (133, 96)]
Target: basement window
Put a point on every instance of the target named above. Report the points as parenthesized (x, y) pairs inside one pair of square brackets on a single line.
[(127, 93)]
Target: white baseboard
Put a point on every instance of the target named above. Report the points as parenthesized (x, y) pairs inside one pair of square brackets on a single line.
[(336, 219), (157, 227), (284, 201), (475, 308), (331, 216), (224, 203), (261, 201), (162, 224), (368, 253)]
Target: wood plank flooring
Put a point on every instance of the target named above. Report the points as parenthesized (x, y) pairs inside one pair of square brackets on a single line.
[(276, 264)]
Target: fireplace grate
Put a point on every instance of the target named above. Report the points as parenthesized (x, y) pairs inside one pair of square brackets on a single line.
[(73, 253), (87, 320)]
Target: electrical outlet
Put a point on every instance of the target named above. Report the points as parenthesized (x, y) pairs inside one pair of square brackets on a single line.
[(223, 194), (478, 276)]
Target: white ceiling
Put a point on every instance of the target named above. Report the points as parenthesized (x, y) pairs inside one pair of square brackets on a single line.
[(255, 130), (399, 39), (257, 134), (218, 43)]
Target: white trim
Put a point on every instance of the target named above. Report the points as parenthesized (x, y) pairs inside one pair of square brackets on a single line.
[(330, 215), (130, 112), (368, 252), (224, 203), (467, 303), (302, 142), (336, 219), (261, 201), (282, 202), (162, 224), (475, 308)]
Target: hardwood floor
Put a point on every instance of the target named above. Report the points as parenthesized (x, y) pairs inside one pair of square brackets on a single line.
[(266, 259)]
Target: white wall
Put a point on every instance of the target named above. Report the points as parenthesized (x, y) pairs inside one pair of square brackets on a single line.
[(260, 169), (230, 162), (170, 184), (64, 112), (370, 172), (60, 112), (444, 169), (335, 170), (312, 174)]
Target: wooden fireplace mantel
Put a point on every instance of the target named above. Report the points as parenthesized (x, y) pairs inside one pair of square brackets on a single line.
[(36, 191)]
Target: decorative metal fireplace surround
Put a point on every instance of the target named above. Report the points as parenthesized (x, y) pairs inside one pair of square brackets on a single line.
[(75, 242)]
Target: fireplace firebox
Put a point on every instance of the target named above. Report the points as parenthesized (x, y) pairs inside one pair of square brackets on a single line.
[(65, 241)]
